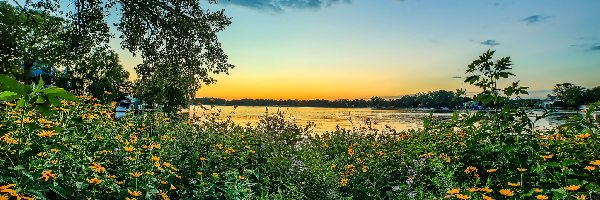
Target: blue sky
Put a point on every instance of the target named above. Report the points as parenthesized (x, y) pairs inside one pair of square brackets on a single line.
[(331, 49)]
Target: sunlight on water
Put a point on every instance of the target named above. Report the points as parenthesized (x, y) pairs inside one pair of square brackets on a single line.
[(327, 119)]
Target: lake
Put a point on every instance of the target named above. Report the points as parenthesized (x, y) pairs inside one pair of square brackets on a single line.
[(327, 119)]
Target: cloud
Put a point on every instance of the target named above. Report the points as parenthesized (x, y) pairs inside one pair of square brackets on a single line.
[(457, 77), (534, 19), (490, 43), (595, 48), (281, 5)]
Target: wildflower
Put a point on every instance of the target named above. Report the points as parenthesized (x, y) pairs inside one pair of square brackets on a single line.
[(163, 195), (517, 184), (136, 174), (538, 190), (215, 174), (163, 182), (344, 182), (229, 150), (25, 121), (364, 168), (470, 169), (573, 187), (350, 152), (97, 167), (595, 162), (202, 159), (42, 154), (218, 146), (506, 192), (134, 193), (333, 166), (546, 157), (485, 197), (47, 175), (580, 197), (252, 151), (325, 145), (173, 187), (128, 148), (166, 164), (462, 196), (521, 170), (486, 190), (453, 191), (95, 180), (590, 168), (473, 189), (541, 197), (8, 189), (379, 153), (241, 178), (583, 136), (155, 158), (46, 133), (199, 173)]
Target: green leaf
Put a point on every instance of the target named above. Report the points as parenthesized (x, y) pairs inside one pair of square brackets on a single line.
[(569, 162), (472, 79), (8, 83), (59, 190), (59, 93), (8, 96), (552, 164)]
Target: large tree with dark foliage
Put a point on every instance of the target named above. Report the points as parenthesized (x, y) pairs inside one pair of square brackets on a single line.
[(177, 40)]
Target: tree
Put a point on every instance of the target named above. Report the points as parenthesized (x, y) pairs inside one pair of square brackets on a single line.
[(168, 34), (570, 94), (32, 38)]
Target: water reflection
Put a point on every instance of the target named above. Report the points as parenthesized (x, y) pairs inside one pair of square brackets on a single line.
[(327, 119)]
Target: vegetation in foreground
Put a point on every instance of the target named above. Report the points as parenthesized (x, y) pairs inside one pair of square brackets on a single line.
[(54, 146)]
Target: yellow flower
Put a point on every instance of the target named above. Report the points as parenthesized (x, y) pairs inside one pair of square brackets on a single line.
[(215, 174), (580, 197), (241, 178), (97, 167), (134, 193), (173, 187), (95, 180), (163, 195), (583, 136), (200, 173), (364, 168), (473, 189), (8, 189), (128, 148), (521, 170), (486, 190), (541, 197), (155, 158), (546, 157), (590, 168), (229, 150), (350, 152), (453, 191), (538, 190), (462, 196), (573, 187), (46, 133), (506, 192), (47, 174), (325, 145), (379, 153), (218, 146), (136, 174), (344, 182), (202, 159), (595, 162), (166, 164), (517, 184), (470, 169), (486, 197)]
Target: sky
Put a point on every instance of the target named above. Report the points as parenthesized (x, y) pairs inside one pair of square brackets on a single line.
[(333, 49)]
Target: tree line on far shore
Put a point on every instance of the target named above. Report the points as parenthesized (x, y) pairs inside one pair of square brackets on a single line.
[(567, 95)]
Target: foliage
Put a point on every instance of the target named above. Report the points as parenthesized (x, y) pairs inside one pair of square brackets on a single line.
[(80, 151), (570, 94)]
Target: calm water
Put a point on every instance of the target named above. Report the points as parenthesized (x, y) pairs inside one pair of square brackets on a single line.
[(326, 119)]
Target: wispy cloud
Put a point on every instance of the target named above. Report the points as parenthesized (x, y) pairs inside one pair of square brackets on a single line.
[(490, 43), (457, 77), (534, 19), (280, 5), (595, 48)]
